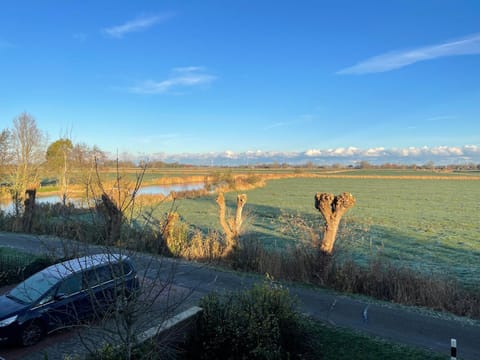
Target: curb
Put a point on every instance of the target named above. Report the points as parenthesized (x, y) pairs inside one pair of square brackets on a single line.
[(174, 323)]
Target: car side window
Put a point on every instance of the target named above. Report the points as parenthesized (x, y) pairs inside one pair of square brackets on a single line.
[(49, 296), (98, 276), (104, 274), (71, 285), (121, 269)]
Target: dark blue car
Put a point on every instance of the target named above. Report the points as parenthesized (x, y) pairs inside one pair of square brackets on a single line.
[(64, 294)]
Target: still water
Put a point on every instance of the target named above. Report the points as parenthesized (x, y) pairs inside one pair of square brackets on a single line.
[(146, 190), (167, 189)]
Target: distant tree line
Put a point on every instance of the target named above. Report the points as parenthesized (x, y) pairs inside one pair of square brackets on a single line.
[(29, 160)]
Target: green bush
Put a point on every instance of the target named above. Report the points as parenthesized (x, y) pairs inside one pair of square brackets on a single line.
[(260, 323), (16, 268)]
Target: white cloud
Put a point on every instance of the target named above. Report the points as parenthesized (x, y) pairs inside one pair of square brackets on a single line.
[(440, 155), (188, 69), (138, 24), (471, 150), (447, 151), (469, 45), (382, 154), (374, 152), (230, 154), (178, 79)]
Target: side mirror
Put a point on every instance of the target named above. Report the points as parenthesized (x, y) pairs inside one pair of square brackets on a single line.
[(59, 296)]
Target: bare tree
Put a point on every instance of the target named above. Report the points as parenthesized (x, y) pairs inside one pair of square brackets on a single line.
[(59, 161), (117, 201), (128, 315), (332, 209), (120, 325), (28, 144), (157, 299), (5, 148), (5, 159), (84, 162)]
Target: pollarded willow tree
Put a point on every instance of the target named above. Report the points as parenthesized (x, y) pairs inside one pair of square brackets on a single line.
[(231, 226), (332, 209)]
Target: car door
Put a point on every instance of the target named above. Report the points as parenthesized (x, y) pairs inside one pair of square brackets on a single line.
[(68, 303), (100, 287)]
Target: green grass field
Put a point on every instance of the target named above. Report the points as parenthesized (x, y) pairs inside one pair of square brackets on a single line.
[(430, 225)]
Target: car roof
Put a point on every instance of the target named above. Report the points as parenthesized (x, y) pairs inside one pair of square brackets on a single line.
[(72, 266)]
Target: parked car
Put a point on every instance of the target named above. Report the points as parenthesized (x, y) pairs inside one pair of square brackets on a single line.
[(64, 294)]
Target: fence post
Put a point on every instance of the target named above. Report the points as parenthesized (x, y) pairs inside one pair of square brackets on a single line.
[(453, 349)]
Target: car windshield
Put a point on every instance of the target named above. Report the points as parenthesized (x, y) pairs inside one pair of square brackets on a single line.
[(33, 288)]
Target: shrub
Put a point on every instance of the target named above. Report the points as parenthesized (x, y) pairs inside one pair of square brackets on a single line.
[(260, 323), (20, 270)]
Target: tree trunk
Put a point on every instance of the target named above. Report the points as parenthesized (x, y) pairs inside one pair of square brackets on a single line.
[(241, 201), (29, 210), (332, 209), (114, 219), (223, 222), (231, 227)]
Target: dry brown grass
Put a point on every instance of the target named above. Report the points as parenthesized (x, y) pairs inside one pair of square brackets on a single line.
[(380, 279), (208, 248)]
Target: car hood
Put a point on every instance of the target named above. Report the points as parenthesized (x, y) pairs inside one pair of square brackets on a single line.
[(9, 307)]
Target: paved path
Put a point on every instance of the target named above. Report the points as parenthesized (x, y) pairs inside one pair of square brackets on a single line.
[(400, 324)]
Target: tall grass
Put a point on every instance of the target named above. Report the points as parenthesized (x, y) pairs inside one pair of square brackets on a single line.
[(379, 279)]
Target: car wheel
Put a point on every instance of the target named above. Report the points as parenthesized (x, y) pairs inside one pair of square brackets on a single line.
[(31, 334)]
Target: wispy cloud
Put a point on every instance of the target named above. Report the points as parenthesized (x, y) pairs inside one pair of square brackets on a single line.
[(469, 45), (139, 24), (441, 118), (180, 78), (277, 125), (305, 118)]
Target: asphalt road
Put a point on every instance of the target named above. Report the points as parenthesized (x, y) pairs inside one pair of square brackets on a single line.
[(411, 326)]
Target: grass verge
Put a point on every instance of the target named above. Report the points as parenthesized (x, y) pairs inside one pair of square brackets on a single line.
[(342, 344)]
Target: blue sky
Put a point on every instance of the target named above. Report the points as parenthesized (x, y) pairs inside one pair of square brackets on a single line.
[(241, 78)]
